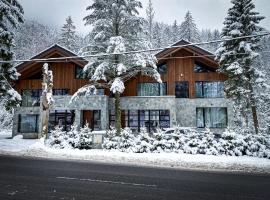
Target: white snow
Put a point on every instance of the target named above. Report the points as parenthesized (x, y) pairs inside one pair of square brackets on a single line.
[(36, 148)]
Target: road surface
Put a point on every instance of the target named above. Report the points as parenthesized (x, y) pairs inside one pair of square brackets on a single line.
[(37, 179)]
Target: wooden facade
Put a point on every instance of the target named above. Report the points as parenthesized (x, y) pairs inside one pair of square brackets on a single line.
[(180, 67)]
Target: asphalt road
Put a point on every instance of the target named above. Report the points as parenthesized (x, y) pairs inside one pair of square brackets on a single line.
[(36, 179)]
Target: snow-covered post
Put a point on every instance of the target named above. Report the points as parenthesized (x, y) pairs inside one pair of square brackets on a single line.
[(46, 99)]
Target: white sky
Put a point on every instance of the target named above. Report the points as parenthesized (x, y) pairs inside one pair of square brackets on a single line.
[(207, 13)]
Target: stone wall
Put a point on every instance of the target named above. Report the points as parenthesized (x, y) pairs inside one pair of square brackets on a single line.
[(186, 109), (148, 103), (182, 111)]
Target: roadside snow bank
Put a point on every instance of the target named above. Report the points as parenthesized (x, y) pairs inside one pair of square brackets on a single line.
[(36, 148)]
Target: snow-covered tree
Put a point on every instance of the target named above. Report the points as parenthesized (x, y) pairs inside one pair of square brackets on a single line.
[(68, 35), (175, 32), (237, 58), (11, 14), (150, 14), (189, 30), (116, 27), (33, 37)]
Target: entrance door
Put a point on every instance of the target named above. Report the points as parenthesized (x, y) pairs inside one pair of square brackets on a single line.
[(92, 118)]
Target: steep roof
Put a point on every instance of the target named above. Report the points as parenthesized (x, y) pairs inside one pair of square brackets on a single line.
[(51, 51), (195, 49)]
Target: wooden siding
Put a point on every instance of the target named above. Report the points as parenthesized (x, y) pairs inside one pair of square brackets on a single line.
[(63, 78), (178, 69)]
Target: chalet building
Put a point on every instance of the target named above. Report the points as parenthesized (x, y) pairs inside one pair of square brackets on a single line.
[(191, 95)]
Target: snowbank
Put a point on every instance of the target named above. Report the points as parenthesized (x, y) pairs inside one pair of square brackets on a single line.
[(36, 148)]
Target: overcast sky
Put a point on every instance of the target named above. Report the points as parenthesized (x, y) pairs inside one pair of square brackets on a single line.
[(207, 13)]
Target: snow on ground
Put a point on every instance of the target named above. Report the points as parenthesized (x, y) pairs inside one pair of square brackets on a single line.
[(36, 148)]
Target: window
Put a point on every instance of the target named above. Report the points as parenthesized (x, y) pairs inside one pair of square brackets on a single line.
[(96, 120), (60, 92), (202, 68), (28, 123), (181, 89), (211, 117), (209, 89), (100, 92), (62, 118), (162, 68), (150, 119), (31, 97), (152, 89), (79, 73)]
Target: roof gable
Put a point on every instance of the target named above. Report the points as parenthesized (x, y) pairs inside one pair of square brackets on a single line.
[(183, 44), (51, 52)]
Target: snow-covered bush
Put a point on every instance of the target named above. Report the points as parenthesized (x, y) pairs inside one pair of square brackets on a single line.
[(58, 138), (81, 139), (191, 141), (85, 140), (6, 117)]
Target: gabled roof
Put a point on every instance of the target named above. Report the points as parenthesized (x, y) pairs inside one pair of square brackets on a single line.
[(186, 45), (49, 52)]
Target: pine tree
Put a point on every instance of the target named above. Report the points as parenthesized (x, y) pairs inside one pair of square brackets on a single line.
[(11, 14), (175, 32), (116, 29), (150, 14), (237, 57), (189, 30), (68, 36)]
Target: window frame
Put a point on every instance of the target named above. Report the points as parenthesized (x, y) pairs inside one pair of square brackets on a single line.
[(204, 66), (75, 73), (177, 82), (159, 88), (204, 118), (203, 92), (36, 123), (159, 67)]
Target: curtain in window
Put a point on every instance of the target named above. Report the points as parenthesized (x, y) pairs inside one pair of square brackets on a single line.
[(209, 89), (211, 117), (152, 89)]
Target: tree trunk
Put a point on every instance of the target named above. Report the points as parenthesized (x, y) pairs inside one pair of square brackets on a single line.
[(117, 113), (255, 119)]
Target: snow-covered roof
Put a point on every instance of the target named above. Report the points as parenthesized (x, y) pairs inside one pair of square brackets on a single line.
[(183, 42), (51, 48)]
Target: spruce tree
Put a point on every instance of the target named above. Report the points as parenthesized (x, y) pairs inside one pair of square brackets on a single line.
[(189, 30), (175, 32), (68, 36), (150, 14), (237, 57), (116, 28), (11, 14)]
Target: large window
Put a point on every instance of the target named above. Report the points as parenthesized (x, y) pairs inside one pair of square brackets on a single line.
[(60, 92), (181, 89), (28, 123), (152, 89), (62, 118), (31, 97), (211, 117), (202, 68), (150, 119), (162, 68), (79, 72), (209, 89)]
